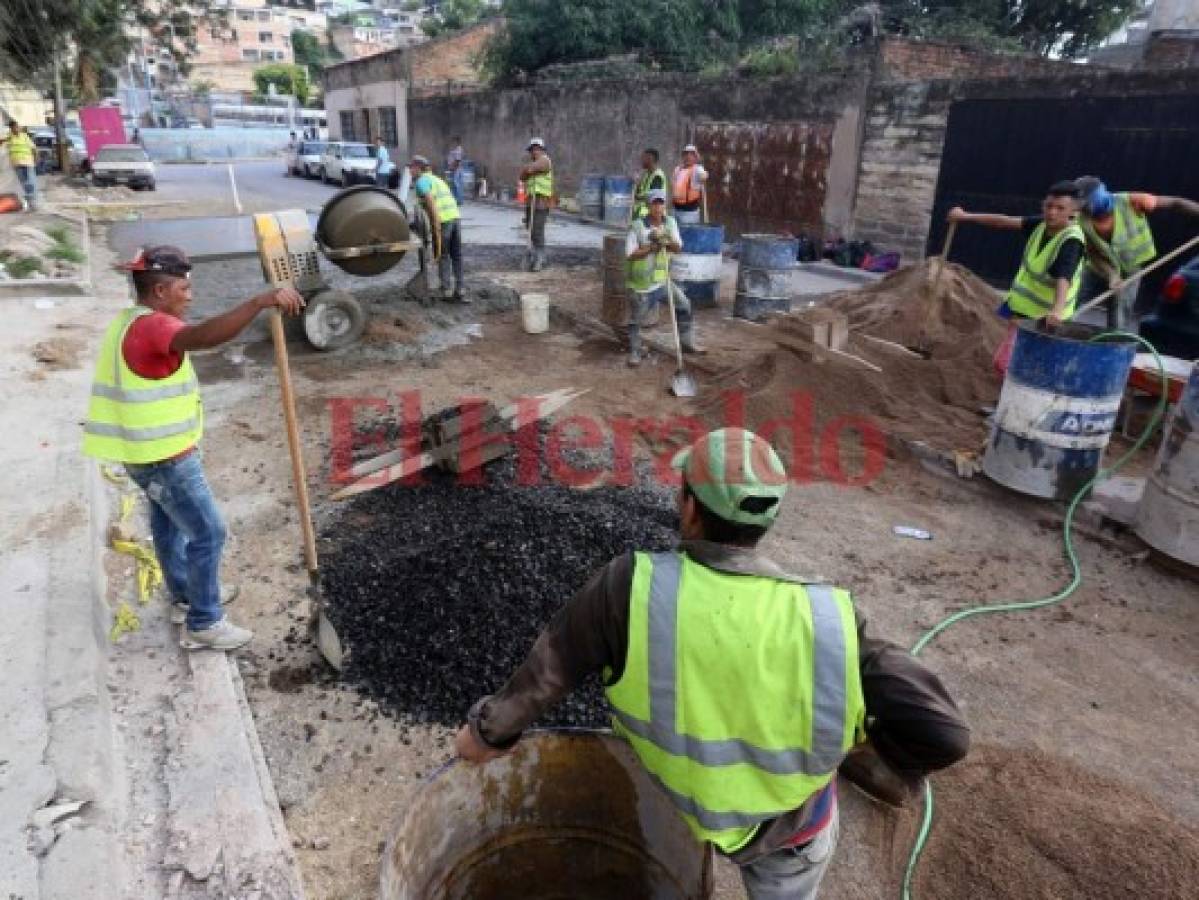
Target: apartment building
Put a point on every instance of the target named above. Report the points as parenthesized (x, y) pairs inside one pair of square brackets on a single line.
[(253, 33)]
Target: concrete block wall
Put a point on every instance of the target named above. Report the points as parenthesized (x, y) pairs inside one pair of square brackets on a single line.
[(900, 160), (904, 59)]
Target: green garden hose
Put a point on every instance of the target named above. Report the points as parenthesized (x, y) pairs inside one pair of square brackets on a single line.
[(1017, 605)]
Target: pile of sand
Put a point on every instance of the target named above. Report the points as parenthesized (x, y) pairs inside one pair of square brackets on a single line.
[(901, 307), (940, 400), (1018, 824)]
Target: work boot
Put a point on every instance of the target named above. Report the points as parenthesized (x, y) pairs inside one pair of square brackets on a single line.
[(635, 352), (538, 260), (229, 593), (224, 635)]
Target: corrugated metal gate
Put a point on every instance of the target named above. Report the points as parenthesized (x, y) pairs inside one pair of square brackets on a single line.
[(1001, 155), (766, 177)]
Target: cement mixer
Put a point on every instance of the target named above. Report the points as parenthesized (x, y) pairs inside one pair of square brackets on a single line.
[(364, 231)]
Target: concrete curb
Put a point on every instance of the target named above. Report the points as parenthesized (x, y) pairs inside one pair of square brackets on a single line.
[(81, 750)]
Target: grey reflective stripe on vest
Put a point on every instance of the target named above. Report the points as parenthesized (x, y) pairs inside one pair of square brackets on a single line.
[(136, 435), (1024, 292), (144, 395), (828, 682), (712, 819)]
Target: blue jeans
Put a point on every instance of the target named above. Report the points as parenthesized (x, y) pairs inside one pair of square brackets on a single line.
[(793, 873), (27, 175), (188, 533), (455, 179)]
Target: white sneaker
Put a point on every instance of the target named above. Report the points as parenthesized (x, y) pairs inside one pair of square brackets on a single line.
[(179, 610), (224, 635)]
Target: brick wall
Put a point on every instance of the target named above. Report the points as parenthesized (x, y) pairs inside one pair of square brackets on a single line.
[(905, 59), (450, 61), (1171, 50)]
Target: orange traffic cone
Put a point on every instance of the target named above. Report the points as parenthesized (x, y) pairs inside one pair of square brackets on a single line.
[(521, 197)]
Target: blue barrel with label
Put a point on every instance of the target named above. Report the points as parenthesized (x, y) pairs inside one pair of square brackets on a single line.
[(764, 273), (468, 177), (1056, 411), (618, 200), (591, 196), (696, 270)]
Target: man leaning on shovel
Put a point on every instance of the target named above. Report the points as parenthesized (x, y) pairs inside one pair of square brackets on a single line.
[(740, 687), (650, 240)]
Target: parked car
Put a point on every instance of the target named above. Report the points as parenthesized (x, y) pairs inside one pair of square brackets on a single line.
[(347, 163), (46, 142), (123, 164), (1173, 326), (305, 159)]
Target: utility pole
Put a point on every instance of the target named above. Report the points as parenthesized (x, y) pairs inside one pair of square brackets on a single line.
[(60, 118)]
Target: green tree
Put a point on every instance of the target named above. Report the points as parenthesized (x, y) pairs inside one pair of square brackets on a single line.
[(1066, 27), (287, 79), (309, 51), (454, 15), (91, 37)]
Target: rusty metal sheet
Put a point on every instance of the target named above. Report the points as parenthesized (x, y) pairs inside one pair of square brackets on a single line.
[(766, 177)]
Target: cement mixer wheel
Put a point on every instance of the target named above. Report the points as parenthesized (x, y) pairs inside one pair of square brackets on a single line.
[(333, 320)]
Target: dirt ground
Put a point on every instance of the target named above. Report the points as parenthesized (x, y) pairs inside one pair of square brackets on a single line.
[(1084, 714)]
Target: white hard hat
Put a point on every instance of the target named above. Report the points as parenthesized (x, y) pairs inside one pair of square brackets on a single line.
[(536, 142), (690, 148)]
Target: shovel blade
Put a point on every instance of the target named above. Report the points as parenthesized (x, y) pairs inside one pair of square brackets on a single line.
[(328, 642), (683, 385)]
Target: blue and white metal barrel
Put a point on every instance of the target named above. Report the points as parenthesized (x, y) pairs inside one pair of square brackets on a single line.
[(696, 270), (1056, 412), (764, 275), (618, 200), (468, 178), (1168, 517), (591, 196)]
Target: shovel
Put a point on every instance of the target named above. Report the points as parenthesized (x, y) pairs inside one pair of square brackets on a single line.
[(327, 640), (942, 263), (682, 385)]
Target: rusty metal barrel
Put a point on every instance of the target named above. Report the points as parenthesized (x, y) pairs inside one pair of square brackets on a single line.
[(615, 308), (356, 224), (1168, 516), (568, 814)]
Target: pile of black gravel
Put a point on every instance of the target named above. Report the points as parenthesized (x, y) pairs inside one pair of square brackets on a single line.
[(439, 590)]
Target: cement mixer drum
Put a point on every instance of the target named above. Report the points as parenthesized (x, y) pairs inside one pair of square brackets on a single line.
[(364, 230)]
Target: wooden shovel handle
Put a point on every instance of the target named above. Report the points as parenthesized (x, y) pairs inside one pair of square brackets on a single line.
[(949, 235), (293, 440)]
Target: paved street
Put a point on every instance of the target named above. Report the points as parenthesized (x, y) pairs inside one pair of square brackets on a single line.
[(200, 198)]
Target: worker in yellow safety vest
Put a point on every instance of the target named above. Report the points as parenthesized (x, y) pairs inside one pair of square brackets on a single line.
[(687, 186), (145, 413), (652, 178), (1119, 241), (445, 222), (538, 176), (1047, 282), (649, 242), (22, 153), (740, 687)]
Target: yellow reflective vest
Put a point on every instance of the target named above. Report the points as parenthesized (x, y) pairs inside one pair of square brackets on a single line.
[(1033, 292), (641, 191), (443, 198), (740, 694), (21, 149), (649, 271), (131, 419), (1131, 244), (541, 184)]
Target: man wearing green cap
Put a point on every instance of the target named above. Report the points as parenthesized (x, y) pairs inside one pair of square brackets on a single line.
[(732, 680)]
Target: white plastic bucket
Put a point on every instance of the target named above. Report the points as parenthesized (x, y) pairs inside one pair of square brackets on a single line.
[(535, 312)]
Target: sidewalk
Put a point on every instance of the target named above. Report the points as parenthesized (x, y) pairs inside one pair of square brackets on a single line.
[(129, 770)]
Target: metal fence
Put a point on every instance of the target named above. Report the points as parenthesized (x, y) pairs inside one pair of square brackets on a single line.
[(206, 144)]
